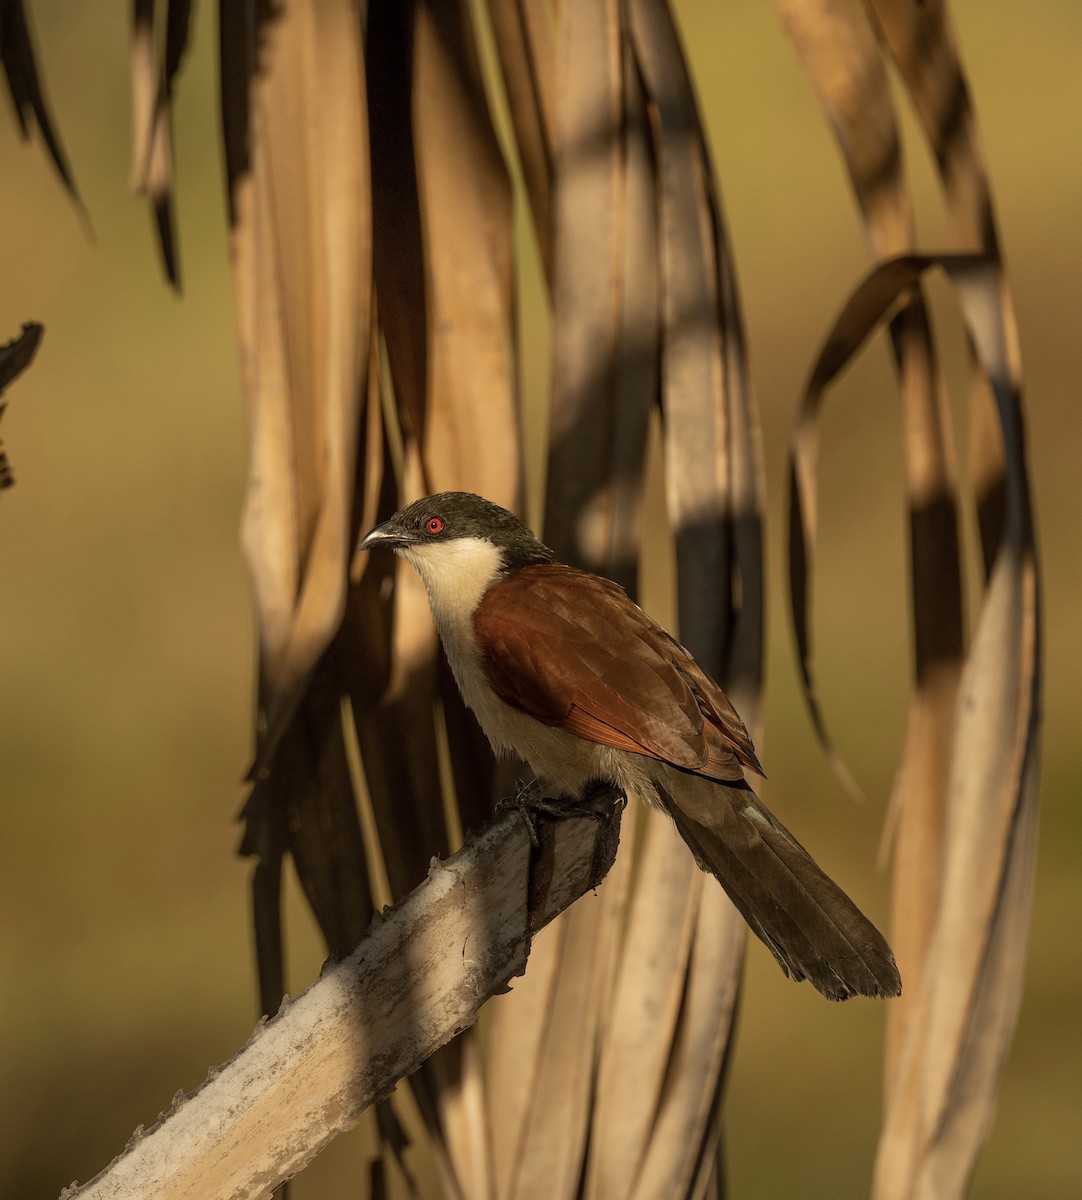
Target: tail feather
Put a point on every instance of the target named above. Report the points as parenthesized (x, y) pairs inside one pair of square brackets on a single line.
[(807, 922)]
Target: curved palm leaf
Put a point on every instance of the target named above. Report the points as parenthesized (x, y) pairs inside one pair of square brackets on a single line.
[(941, 1087)]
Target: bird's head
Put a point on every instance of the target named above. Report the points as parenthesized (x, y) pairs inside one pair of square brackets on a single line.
[(458, 541)]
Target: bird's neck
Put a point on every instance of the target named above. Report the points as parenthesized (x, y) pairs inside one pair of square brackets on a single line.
[(456, 575)]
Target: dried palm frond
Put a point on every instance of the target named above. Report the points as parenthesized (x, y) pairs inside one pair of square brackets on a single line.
[(154, 72), (27, 90), (642, 316), (15, 357), (966, 796)]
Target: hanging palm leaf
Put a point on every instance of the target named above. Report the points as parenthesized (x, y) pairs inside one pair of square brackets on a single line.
[(965, 801), (15, 357)]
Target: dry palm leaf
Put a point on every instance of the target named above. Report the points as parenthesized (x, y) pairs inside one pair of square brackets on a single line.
[(442, 212), (942, 1094), (27, 93), (921, 42), (154, 72), (543, 1140), (469, 437), (942, 1073), (295, 118), (838, 44), (298, 185), (18, 354), (15, 357), (621, 189), (523, 33), (644, 308), (587, 290), (714, 486)]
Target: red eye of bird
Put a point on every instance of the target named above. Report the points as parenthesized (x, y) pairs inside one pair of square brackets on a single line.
[(434, 525)]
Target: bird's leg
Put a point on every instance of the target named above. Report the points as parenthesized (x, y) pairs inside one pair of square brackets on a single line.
[(528, 803), (598, 800)]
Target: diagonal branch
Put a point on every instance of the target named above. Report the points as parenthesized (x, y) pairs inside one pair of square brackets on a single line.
[(417, 978)]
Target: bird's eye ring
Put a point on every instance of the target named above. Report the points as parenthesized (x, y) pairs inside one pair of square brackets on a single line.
[(434, 525)]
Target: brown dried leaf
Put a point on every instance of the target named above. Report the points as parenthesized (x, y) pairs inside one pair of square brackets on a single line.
[(299, 188), (605, 337), (152, 115), (528, 1025), (442, 208), (661, 1128), (295, 132), (470, 432), (616, 513), (646, 1003), (687, 1133), (939, 1105), (838, 46), (517, 1039), (840, 49), (18, 354), (692, 381), (308, 800), (524, 42), (877, 292), (714, 481), (394, 724), (934, 1129), (552, 1144), (545, 1122), (398, 243), (587, 289), (921, 40), (15, 357), (27, 92)]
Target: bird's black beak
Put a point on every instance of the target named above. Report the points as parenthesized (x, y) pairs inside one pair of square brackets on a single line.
[(389, 534)]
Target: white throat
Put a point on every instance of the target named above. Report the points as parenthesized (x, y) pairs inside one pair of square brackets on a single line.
[(456, 574)]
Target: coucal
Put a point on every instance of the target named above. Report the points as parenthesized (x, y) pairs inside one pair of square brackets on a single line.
[(561, 668)]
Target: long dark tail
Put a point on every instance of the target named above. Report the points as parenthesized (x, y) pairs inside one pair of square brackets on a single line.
[(809, 924)]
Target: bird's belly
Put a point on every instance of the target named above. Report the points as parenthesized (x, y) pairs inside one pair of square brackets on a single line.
[(561, 760)]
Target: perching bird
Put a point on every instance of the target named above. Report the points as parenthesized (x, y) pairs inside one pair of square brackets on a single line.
[(561, 668)]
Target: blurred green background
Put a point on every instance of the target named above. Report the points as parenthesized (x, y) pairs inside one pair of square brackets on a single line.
[(126, 639)]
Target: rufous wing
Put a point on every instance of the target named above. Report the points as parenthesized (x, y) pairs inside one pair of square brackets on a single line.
[(572, 650)]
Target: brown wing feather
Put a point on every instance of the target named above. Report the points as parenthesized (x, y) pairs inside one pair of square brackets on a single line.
[(575, 652)]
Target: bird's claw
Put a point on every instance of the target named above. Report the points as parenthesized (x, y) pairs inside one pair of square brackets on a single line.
[(529, 804)]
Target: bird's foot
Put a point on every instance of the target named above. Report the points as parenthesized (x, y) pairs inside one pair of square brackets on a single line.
[(529, 804), (598, 801)]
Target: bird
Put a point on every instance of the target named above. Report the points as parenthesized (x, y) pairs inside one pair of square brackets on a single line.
[(562, 669)]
